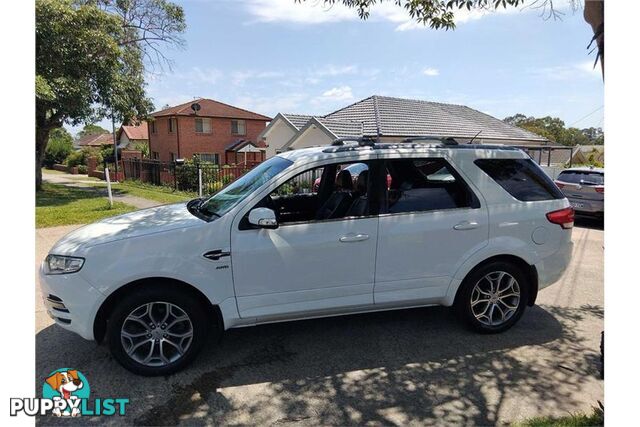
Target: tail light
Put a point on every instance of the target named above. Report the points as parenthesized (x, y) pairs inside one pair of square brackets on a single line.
[(600, 189), (559, 184), (563, 217)]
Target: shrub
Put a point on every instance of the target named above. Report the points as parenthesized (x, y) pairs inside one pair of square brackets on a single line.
[(105, 152), (143, 147), (76, 158), (187, 176), (59, 147), (82, 169)]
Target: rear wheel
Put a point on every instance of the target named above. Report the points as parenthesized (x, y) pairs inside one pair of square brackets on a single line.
[(157, 331), (493, 297)]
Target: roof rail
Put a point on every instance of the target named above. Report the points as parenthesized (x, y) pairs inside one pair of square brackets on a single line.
[(445, 140), (363, 141)]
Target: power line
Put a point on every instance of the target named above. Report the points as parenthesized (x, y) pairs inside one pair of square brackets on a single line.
[(582, 118)]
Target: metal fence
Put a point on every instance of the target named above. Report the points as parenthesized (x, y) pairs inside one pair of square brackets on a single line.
[(203, 178)]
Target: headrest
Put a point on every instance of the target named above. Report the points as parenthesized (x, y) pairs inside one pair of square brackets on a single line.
[(363, 178), (344, 180)]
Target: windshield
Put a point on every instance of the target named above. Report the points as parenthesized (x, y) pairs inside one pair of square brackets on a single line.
[(225, 199)]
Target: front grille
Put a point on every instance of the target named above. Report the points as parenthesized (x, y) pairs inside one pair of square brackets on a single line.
[(56, 303)]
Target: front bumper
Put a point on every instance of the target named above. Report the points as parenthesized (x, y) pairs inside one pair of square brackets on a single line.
[(71, 302)]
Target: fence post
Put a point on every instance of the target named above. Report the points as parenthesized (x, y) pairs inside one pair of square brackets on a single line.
[(199, 181), (174, 166), (108, 177)]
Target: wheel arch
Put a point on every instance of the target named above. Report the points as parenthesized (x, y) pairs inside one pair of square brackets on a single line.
[(102, 315), (529, 270)]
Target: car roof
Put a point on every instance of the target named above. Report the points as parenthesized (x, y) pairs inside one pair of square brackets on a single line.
[(354, 151), (583, 169)]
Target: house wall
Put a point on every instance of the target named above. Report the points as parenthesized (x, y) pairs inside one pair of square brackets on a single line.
[(124, 140), (278, 135), (312, 137), (191, 142)]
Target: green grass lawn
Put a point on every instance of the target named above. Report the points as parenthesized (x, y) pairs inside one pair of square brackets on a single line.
[(148, 191), (60, 205), (595, 418)]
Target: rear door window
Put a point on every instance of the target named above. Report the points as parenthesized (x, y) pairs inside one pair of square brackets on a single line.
[(522, 178), (582, 177), (419, 185)]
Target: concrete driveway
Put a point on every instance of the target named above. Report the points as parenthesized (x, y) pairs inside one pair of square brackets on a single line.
[(411, 367)]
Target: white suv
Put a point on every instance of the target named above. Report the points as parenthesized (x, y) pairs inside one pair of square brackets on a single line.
[(478, 227)]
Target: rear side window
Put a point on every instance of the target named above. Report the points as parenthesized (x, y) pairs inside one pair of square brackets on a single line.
[(419, 185), (582, 177), (522, 178)]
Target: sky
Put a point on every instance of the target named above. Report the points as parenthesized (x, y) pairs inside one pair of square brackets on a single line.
[(272, 56)]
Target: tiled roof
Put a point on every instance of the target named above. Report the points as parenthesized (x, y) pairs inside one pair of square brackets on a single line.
[(138, 132), (298, 120), (95, 140), (210, 108), (406, 117), (342, 128), (236, 145)]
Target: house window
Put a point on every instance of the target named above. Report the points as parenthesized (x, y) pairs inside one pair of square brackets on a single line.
[(172, 125), (153, 126), (203, 125), (209, 157), (173, 157), (155, 155), (238, 127)]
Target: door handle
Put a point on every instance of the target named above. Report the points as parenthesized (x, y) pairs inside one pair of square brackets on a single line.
[(216, 254), (466, 225), (354, 238)]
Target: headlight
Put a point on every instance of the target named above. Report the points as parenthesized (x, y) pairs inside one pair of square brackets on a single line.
[(58, 264)]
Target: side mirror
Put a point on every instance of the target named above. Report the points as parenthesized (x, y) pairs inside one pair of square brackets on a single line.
[(263, 218)]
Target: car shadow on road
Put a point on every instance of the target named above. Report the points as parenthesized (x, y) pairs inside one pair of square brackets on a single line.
[(415, 366), (589, 222)]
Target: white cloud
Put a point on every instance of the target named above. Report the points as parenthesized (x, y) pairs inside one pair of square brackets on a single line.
[(310, 12), (568, 72), (341, 93), (331, 70), (197, 75), (317, 12), (273, 104), (588, 67), (431, 72), (238, 78)]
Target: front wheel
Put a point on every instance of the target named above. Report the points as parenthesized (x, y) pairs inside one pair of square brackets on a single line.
[(157, 330), (493, 297)]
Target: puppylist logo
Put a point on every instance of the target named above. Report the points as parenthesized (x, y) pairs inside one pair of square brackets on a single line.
[(65, 393)]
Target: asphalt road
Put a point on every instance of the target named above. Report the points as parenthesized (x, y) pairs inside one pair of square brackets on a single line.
[(411, 367)]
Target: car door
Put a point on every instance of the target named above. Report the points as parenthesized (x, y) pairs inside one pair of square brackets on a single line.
[(305, 267), (430, 222)]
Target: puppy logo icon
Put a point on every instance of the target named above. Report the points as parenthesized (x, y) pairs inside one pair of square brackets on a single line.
[(67, 388)]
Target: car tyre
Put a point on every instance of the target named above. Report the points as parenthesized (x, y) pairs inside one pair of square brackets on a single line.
[(470, 301), (186, 310)]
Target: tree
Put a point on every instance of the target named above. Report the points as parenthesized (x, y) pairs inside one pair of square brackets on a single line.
[(440, 13), (595, 135), (91, 129), (59, 147), (554, 129), (90, 60)]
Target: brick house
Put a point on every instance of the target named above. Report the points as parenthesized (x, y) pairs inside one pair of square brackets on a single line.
[(214, 131), (129, 136)]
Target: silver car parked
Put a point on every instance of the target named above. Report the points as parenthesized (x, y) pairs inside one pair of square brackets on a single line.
[(584, 187)]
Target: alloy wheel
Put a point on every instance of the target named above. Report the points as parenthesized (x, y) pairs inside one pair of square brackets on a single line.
[(495, 298), (156, 334)]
